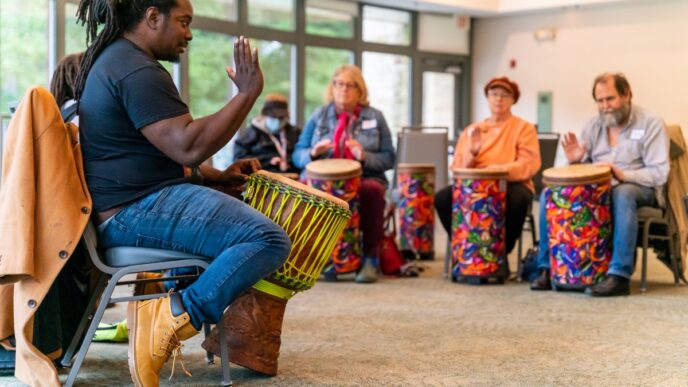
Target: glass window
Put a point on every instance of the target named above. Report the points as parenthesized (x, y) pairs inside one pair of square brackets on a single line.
[(387, 77), (389, 26), (277, 14), (331, 18), (216, 9), (275, 61), (320, 65), (209, 54), (439, 99), (24, 42), (75, 34), (433, 30)]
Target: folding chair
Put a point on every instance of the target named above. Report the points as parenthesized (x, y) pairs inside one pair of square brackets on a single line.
[(121, 261), (656, 223)]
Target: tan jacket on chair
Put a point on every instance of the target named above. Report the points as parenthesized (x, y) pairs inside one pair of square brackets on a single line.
[(44, 208), (677, 186)]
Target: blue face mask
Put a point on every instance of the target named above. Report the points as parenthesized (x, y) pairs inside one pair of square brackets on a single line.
[(273, 124)]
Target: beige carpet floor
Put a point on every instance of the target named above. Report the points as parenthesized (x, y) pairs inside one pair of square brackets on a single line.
[(429, 331)]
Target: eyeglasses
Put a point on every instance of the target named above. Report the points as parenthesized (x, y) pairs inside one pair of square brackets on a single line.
[(499, 94), (342, 85)]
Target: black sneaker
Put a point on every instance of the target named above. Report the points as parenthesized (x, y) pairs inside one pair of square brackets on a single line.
[(611, 286), (542, 282)]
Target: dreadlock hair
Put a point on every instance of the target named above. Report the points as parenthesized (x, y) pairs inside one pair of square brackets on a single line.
[(62, 82), (117, 17)]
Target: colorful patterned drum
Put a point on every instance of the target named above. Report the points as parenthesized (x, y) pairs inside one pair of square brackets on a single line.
[(579, 224), (313, 220), (478, 233), (416, 207), (341, 178)]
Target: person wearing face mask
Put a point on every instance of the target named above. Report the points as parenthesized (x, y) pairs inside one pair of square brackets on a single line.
[(634, 144), (270, 137)]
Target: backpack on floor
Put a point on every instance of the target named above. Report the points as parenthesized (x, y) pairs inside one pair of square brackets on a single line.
[(391, 259)]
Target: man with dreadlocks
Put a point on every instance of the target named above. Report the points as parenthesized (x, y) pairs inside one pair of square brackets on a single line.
[(137, 135)]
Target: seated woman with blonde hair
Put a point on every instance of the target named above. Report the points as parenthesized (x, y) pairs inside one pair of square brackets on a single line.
[(348, 127)]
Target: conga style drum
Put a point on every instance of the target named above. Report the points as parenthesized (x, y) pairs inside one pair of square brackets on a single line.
[(478, 217), (341, 178), (314, 220), (416, 210), (579, 224)]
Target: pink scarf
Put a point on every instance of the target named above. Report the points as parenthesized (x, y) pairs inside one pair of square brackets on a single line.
[(341, 134)]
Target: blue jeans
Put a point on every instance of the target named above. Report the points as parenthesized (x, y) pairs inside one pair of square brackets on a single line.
[(243, 245), (626, 199)]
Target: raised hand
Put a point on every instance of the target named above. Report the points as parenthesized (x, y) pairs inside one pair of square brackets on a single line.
[(246, 75), (321, 147), (572, 148), (474, 139)]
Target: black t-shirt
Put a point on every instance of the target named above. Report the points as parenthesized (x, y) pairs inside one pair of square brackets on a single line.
[(126, 90)]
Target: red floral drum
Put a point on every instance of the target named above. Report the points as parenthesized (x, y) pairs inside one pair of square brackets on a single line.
[(341, 178), (579, 224), (416, 208), (478, 217)]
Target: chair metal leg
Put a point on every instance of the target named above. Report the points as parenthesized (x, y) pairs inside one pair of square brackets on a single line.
[(643, 274), (78, 335), (674, 263), (210, 358), (447, 258), (104, 299), (224, 356), (519, 259)]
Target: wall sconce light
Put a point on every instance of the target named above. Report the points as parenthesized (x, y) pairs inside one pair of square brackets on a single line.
[(545, 34)]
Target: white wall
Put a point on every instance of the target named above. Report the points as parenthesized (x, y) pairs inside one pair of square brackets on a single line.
[(647, 41)]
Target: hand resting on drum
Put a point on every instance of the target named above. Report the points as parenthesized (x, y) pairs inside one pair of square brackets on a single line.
[(616, 171), (232, 180)]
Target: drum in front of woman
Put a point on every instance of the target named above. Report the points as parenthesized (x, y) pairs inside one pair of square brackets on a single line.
[(313, 220), (579, 224), (341, 178), (416, 210), (478, 218)]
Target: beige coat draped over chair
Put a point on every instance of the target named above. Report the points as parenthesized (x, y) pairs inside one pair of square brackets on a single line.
[(677, 187), (44, 208)]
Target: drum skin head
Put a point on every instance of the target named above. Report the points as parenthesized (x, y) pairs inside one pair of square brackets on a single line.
[(576, 174), (479, 173), (334, 169), (416, 167), (302, 187)]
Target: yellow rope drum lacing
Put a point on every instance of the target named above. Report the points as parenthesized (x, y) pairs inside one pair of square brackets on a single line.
[(325, 217)]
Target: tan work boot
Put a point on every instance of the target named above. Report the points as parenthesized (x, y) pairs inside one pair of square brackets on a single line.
[(149, 287), (154, 334)]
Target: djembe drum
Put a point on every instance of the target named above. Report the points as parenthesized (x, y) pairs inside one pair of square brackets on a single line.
[(416, 208), (478, 217), (579, 224), (341, 178), (314, 221)]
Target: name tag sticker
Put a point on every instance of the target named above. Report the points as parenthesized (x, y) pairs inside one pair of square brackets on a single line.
[(369, 124), (637, 134)]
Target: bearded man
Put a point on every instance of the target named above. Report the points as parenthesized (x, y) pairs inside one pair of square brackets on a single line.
[(634, 144)]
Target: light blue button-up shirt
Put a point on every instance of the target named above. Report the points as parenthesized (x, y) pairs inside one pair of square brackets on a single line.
[(642, 151)]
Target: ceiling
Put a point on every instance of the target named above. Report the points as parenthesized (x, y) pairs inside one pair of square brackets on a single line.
[(488, 8)]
